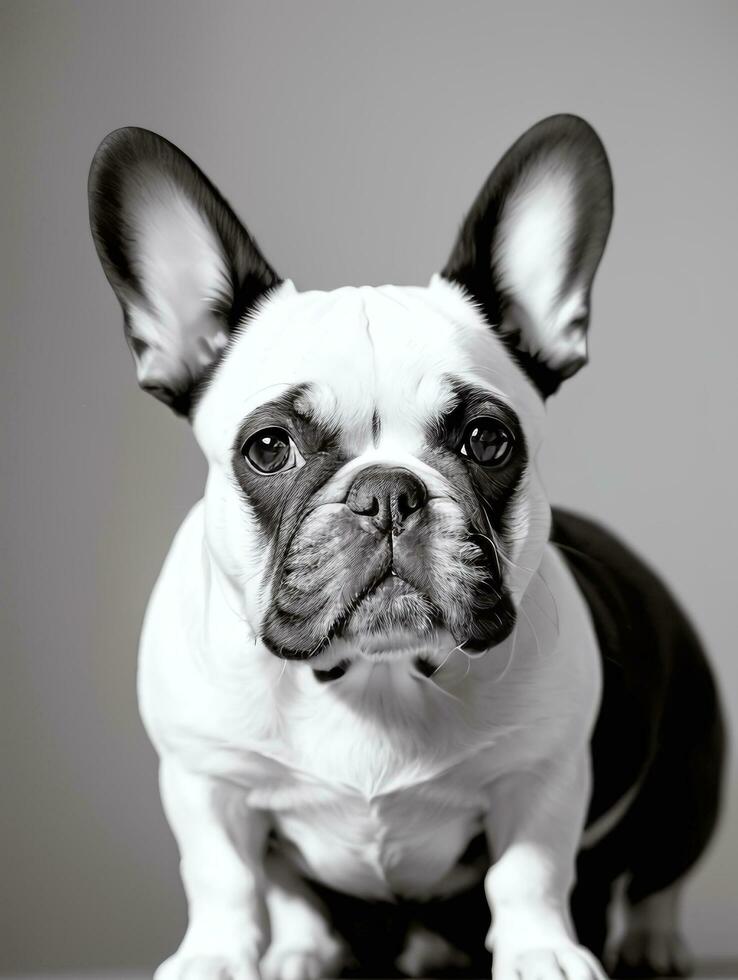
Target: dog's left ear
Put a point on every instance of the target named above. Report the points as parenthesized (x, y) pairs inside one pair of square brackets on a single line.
[(530, 246), (182, 265)]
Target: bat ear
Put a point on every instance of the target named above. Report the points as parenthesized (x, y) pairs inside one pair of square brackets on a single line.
[(182, 265), (529, 248)]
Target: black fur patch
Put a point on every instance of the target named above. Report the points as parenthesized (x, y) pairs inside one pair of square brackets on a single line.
[(332, 674), (660, 727), (655, 670), (425, 667)]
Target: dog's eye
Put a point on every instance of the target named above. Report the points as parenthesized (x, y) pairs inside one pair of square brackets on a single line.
[(487, 442), (270, 451)]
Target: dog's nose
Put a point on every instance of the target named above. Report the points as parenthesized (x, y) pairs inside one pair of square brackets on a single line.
[(389, 495)]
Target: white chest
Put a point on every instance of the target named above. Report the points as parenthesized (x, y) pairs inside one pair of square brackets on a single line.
[(373, 788)]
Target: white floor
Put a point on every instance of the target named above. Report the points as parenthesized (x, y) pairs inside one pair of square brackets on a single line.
[(715, 971)]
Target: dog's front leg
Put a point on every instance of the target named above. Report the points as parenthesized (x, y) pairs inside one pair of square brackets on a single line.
[(534, 824), (221, 843)]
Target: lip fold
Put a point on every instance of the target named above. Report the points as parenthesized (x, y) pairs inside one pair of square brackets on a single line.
[(313, 600)]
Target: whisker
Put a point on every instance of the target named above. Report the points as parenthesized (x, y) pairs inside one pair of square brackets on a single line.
[(556, 621), (532, 629), (323, 641), (537, 572), (475, 656), (534, 571), (448, 655), (239, 616), (281, 673), (495, 545), (511, 656), (577, 551), (517, 565), (448, 694)]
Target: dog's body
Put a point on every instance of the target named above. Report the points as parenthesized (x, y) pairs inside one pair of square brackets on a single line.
[(374, 518)]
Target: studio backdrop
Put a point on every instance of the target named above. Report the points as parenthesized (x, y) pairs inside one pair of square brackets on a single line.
[(350, 138)]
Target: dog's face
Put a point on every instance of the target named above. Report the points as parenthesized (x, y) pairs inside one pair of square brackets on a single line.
[(370, 477), (372, 488)]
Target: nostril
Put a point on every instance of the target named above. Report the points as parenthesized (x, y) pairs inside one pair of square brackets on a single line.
[(372, 508), (406, 504), (410, 499)]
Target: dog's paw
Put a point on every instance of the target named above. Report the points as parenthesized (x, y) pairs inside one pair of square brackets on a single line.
[(652, 953), (189, 966), (569, 962), (289, 963)]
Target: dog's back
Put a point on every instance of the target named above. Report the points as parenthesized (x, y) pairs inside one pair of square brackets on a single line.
[(658, 744)]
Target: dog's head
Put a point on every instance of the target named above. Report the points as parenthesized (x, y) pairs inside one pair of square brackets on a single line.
[(372, 488)]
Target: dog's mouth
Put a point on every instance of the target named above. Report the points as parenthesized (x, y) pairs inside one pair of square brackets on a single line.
[(390, 605), (391, 618), (388, 616), (380, 598)]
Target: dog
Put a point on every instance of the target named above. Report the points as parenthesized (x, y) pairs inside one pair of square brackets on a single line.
[(411, 720)]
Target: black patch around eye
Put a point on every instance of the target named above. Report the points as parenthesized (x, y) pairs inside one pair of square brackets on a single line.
[(280, 500), (485, 491)]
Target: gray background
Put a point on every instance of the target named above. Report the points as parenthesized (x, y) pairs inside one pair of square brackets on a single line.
[(350, 138)]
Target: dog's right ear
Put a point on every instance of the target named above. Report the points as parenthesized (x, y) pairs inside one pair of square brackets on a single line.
[(182, 265)]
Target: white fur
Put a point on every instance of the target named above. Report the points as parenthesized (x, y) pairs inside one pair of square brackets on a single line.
[(376, 781), (182, 270), (532, 261)]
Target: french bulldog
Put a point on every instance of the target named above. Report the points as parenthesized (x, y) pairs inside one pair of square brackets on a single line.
[(408, 715)]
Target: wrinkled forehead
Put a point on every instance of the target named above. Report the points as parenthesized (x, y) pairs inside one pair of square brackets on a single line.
[(387, 358)]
